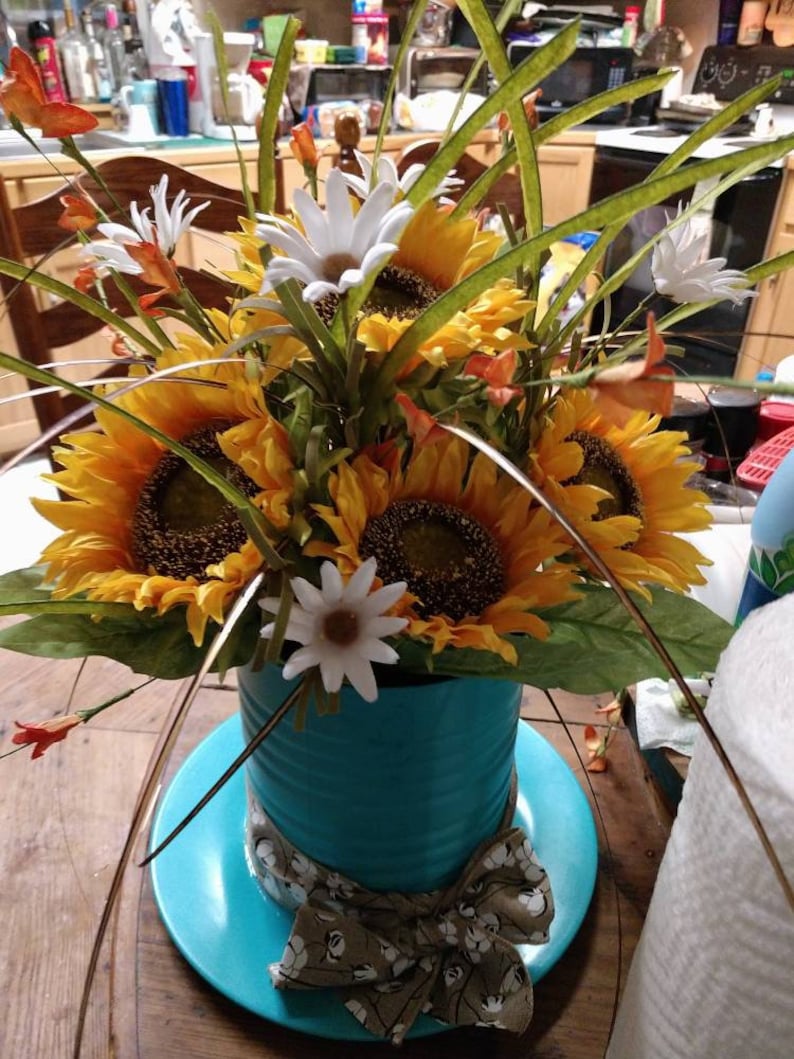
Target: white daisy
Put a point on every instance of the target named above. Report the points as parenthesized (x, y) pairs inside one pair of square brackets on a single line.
[(340, 249), (387, 174), (682, 272), (164, 231), (340, 627)]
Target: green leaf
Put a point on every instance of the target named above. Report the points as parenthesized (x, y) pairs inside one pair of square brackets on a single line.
[(276, 87), (157, 646), (594, 645), (768, 571)]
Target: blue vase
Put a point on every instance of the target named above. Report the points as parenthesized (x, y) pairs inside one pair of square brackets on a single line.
[(394, 794)]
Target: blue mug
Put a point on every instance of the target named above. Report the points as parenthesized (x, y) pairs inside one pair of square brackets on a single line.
[(173, 92)]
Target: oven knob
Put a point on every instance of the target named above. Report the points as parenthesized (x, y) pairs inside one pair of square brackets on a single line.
[(727, 73)]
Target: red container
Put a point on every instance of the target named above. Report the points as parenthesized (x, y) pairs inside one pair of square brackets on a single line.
[(377, 35)]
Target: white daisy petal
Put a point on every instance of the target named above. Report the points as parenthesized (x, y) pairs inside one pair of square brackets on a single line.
[(332, 670), (309, 597), (384, 599), (318, 290), (383, 626), (332, 586), (681, 271), (360, 583), (361, 676), (378, 651), (299, 661)]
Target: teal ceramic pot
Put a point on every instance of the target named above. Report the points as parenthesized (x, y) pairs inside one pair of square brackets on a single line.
[(394, 794)]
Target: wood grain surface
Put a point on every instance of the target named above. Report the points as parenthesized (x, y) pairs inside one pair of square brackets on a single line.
[(65, 818)]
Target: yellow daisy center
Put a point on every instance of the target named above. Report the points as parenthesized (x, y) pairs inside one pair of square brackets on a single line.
[(182, 524), (604, 468), (450, 562)]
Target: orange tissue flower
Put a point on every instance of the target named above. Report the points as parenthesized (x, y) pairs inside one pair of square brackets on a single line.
[(421, 426), (43, 735), (22, 97), (79, 213), (621, 390), (304, 146), (498, 372)]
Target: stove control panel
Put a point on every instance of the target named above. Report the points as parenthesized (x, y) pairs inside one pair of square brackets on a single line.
[(727, 71)]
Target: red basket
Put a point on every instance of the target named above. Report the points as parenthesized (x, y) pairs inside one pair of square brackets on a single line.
[(760, 464)]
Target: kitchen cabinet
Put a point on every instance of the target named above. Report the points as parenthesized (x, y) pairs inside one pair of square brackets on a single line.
[(769, 335), (565, 172)]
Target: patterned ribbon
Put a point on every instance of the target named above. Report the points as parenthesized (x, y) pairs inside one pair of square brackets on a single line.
[(450, 953)]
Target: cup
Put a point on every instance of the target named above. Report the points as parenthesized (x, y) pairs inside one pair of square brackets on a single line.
[(172, 90), (141, 93), (139, 123)]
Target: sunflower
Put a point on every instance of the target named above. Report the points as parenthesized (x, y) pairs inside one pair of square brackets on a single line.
[(464, 537), (625, 490), (142, 527), (435, 253)]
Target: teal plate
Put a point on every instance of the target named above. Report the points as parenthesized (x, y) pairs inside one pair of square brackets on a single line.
[(230, 931)]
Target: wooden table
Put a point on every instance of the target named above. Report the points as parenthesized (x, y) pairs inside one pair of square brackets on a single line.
[(65, 818)]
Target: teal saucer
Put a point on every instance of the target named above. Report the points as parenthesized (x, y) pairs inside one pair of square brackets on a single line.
[(230, 931)]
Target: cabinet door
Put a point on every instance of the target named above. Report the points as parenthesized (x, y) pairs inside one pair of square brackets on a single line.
[(770, 327), (565, 176)]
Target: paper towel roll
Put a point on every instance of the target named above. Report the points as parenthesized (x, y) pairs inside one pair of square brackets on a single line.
[(712, 977)]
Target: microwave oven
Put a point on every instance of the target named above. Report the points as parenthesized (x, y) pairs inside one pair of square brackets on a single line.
[(331, 82), (585, 73), (426, 69)]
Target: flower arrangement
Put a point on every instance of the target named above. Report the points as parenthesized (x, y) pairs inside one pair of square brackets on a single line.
[(379, 462)]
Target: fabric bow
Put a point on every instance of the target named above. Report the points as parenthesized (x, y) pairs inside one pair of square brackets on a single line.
[(449, 953)]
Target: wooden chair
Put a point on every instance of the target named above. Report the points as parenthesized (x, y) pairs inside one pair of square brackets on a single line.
[(30, 233), (506, 191)]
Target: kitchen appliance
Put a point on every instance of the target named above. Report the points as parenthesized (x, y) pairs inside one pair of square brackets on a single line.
[(585, 73), (332, 82), (737, 223), (430, 69), (237, 116)]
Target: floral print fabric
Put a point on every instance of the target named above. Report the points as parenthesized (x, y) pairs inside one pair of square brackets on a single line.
[(450, 953)]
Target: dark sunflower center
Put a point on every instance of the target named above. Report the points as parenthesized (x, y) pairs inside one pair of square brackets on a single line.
[(181, 523), (603, 467), (397, 292), (450, 562), (341, 627)]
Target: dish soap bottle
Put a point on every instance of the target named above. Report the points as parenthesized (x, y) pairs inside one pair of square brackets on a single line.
[(770, 569)]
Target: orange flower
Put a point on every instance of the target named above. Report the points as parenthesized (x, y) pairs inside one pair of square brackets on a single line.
[(85, 279), (421, 426), (43, 735), (22, 97), (498, 372), (622, 390), (530, 109), (596, 749), (79, 214), (157, 270), (304, 146)]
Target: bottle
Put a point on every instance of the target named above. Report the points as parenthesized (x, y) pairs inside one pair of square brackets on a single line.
[(137, 62), (113, 46), (45, 53), (728, 22), (97, 63), (631, 25), (770, 569), (73, 50)]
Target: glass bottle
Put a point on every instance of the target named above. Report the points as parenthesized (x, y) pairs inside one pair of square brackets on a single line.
[(113, 45), (73, 49), (137, 62), (97, 63)]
